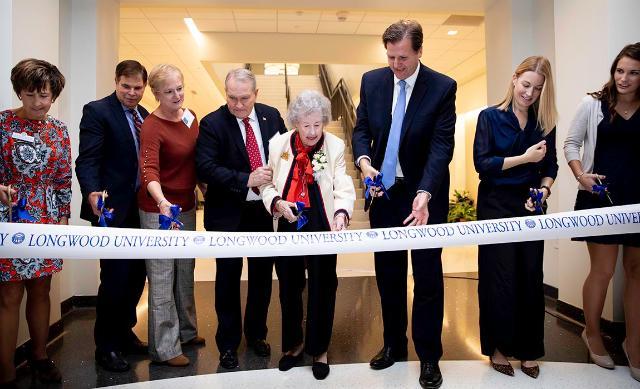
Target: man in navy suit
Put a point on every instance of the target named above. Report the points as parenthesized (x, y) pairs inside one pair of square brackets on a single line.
[(108, 160), (405, 130), (231, 157)]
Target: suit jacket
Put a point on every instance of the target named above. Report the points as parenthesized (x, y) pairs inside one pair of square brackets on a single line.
[(107, 158), (336, 187), (222, 162), (427, 137)]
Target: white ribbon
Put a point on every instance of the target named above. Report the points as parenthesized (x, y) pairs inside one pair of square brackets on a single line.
[(79, 242)]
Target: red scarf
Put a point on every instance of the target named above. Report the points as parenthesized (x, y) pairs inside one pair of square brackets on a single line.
[(302, 174)]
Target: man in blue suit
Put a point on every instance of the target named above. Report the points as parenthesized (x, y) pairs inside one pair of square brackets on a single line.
[(108, 160), (405, 130)]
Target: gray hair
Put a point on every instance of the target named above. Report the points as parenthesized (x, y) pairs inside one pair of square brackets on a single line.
[(241, 74), (306, 103)]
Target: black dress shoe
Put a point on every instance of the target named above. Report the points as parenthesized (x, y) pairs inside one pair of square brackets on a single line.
[(229, 359), (430, 376), (136, 347), (387, 357), (112, 361), (320, 370), (46, 371), (288, 361), (260, 347)]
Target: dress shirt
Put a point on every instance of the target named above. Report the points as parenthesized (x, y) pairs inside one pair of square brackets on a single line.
[(132, 126), (255, 125)]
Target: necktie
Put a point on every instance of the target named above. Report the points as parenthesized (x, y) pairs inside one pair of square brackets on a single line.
[(255, 159), (137, 123), (391, 153)]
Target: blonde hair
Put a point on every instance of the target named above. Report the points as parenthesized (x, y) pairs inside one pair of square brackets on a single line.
[(160, 73), (545, 105)]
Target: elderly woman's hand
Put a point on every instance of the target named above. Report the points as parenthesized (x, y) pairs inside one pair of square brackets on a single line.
[(285, 208), (339, 222), (7, 195)]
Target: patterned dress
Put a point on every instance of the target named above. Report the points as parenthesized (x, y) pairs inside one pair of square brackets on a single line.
[(35, 159)]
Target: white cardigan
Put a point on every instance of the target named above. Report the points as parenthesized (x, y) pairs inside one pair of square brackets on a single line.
[(584, 130), (336, 187)]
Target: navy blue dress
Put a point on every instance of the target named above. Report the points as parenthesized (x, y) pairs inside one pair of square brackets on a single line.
[(617, 157)]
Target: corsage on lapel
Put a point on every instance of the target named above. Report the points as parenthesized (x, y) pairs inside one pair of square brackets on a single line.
[(319, 163)]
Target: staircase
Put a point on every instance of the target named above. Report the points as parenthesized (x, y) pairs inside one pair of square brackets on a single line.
[(271, 91)]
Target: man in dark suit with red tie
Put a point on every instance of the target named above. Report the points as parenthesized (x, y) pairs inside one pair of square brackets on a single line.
[(405, 130), (231, 157), (108, 160)]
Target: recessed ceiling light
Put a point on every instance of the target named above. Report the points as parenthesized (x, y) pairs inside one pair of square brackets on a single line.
[(452, 32), (193, 29)]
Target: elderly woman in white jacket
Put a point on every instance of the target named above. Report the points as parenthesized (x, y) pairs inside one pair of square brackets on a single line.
[(310, 184)]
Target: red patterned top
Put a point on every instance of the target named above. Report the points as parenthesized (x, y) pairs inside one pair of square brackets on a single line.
[(35, 159)]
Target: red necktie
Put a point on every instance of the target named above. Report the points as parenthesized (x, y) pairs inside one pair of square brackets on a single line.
[(137, 123), (255, 159)]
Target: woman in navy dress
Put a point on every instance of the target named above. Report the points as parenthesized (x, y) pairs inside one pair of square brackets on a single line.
[(607, 129)]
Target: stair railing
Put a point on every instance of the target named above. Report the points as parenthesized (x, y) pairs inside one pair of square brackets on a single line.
[(342, 107)]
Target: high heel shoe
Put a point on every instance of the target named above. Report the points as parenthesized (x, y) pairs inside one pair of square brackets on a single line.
[(532, 372), (500, 368), (600, 360), (635, 371)]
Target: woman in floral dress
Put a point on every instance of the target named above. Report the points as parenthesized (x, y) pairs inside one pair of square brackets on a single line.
[(35, 176)]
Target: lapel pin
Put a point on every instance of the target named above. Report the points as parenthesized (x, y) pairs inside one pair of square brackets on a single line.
[(285, 155), (264, 118)]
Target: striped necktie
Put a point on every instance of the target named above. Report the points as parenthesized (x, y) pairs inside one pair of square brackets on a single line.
[(137, 123)]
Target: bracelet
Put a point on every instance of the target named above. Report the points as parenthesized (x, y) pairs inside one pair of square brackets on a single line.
[(161, 201), (580, 176), (547, 188)]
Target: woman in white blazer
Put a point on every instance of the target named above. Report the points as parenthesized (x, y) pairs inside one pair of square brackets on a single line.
[(309, 172)]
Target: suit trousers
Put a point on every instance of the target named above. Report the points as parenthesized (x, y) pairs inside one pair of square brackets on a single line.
[(510, 286), (255, 218), (172, 306), (121, 285), (391, 277)]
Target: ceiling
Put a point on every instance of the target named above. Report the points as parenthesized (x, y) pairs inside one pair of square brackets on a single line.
[(157, 34)]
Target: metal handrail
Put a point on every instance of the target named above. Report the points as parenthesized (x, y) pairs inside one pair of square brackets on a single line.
[(342, 107), (287, 90)]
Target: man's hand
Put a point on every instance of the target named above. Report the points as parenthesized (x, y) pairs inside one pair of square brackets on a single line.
[(419, 211), (7, 195), (260, 176), (369, 171), (92, 199)]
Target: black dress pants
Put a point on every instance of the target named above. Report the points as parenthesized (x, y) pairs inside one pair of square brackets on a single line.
[(321, 294), (510, 287), (391, 277), (121, 285), (255, 218)]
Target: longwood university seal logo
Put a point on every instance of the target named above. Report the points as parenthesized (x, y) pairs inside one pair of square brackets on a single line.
[(372, 234), (530, 223), (17, 238), (198, 239)]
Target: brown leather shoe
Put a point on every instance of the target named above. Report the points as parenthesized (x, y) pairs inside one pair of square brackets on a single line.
[(504, 369), (179, 361), (532, 372), (197, 341)]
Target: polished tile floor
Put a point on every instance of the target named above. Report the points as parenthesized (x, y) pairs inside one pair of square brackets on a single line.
[(356, 337)]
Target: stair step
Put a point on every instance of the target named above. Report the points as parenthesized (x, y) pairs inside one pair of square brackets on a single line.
[(359, 225)]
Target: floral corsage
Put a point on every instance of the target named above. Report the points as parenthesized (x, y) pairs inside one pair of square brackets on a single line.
[(319, 163)]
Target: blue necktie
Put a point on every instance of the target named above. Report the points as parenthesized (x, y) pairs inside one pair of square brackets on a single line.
[(391, 154)]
